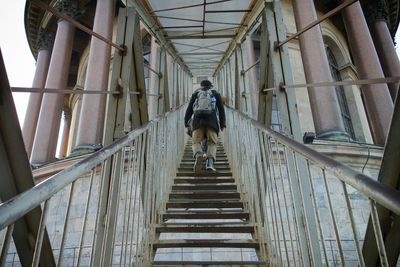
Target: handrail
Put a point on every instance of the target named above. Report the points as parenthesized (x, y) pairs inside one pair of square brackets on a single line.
[(21, 204), (28, 200), (381, 193)]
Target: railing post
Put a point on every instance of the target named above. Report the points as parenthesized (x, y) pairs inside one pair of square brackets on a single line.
[(279, 71), (127, 77), (163, 100)]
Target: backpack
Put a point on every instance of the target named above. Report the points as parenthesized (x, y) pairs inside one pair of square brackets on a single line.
[(204, 103)]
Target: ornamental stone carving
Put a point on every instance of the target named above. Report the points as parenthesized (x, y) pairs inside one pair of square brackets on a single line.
[(45, 40), (375, 10), (69, 8)]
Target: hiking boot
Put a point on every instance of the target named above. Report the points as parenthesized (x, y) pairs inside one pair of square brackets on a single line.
[(198, 163), (210, 165)]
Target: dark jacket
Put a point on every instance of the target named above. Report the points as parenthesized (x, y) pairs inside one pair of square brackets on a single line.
[(206, 120)]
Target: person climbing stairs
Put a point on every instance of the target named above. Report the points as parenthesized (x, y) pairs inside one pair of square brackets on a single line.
[(206, 221)]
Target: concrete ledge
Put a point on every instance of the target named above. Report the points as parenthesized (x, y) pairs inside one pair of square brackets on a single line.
[(50, 169)]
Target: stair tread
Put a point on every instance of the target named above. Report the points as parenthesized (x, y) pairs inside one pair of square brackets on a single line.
[(204, 200), (204, 174), (206, 187), (213, 204), (211, 263), (206, 228), (206, 180), (233, 243), (209, 215)]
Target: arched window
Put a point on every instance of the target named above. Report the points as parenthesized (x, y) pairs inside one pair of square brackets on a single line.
[(344, 108)]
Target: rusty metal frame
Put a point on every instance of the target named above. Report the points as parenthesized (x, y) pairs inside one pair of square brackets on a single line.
[(16, 177)]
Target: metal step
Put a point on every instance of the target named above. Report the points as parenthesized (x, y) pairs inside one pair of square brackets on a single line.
[(203, 180), (203, 187), (204, 174), (191, 160), (199, 205), (204, 195), (189, 168), (211, 263), (205, 215), (205, 228), (206, 243)]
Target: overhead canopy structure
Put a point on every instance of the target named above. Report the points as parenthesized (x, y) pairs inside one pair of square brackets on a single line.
[(200, 31)]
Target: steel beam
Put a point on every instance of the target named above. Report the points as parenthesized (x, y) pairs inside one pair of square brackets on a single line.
[(16, 177), (189, 6), (200, 53), (153, 26), (163, 100), (389, 174), (199, 36), (276, 70), (250, 19), (198, 20)]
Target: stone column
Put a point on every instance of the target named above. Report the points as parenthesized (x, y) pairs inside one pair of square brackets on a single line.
[(45, 144), (65, 133), (44, 44), (377, 100), (91, 120), (252, 76), (376, 14), (324, 103)]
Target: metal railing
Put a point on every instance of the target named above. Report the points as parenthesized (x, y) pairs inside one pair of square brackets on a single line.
[(116, 193), (273, 170)]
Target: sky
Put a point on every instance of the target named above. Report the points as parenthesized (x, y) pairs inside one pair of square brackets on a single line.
[(19, 61)]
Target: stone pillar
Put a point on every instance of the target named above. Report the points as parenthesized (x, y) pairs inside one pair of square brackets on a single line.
[(376, 14), (377, 100), (65, 133), (91, 120), (44, 44), (252, 76), (324, 103), (45, 144)]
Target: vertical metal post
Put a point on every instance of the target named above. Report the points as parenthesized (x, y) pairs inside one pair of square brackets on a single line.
[(163, 100), (6, 245), (112, 208), (245, 81), (265, 98), (39, 238), (238, 95), (128, 77), (276, 66)]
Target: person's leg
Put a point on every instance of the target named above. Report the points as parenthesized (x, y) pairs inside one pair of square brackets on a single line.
[(197, 137), (212, 140)]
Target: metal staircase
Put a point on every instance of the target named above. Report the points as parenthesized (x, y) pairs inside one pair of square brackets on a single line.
[(206, 214)]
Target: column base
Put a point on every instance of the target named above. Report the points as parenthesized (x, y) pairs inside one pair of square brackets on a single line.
[(335, 136), (84, 149), (37, 165)]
